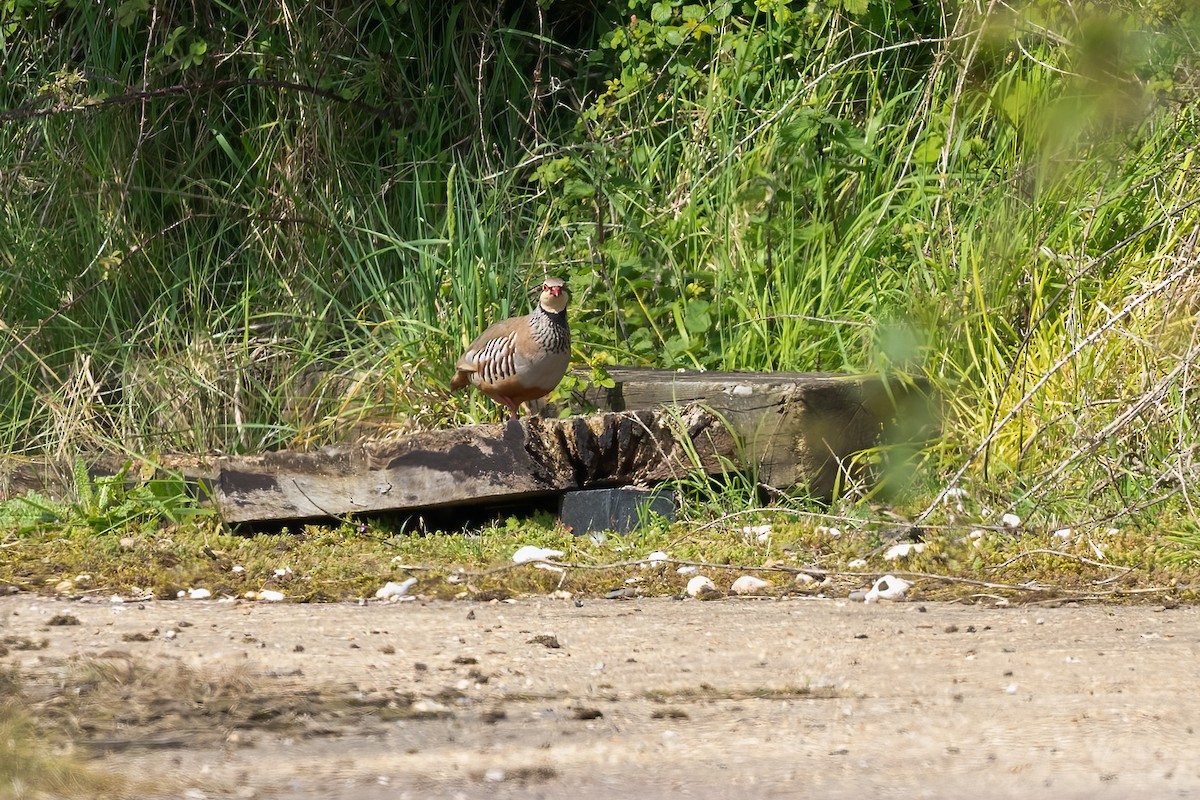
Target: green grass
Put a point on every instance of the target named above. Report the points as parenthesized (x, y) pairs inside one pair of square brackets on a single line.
[(289, 240)]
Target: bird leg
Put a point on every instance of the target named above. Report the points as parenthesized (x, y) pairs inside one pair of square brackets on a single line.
[(513, 409)]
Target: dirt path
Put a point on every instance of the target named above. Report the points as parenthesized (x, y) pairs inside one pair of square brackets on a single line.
[(646, 698)]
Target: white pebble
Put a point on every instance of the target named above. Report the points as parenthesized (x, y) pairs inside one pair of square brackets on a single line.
[(749, 584), (656, 558), (1012, 688), (825, 530), (760, 531), (427, 706), (199, 594), (699, 585), (283, 572), (857, 563), (533, 553), (271, 595), (237, 568), (903, 550), (955, 493), (1063, 533), (889, 587), (392, 589), (1010, 520), (688, 570)]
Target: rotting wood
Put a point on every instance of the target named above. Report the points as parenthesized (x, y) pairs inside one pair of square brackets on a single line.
[(55, 477), (796, 428), (475, 464)]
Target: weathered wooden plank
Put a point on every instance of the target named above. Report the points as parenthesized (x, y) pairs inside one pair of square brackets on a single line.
[(55, 477), (797, 428), (475, 464)]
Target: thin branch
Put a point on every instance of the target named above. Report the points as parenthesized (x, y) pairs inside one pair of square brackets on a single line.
[(139, 96)]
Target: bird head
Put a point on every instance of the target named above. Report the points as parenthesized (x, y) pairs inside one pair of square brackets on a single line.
[(554, 296)]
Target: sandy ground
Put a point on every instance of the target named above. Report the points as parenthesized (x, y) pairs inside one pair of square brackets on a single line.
[(646, 698)]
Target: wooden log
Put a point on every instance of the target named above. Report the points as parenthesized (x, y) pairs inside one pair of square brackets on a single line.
[(56, 477), (476, 464), (796, 428)]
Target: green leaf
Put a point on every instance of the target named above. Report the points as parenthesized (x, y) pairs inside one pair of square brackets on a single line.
[(660, 12), (697, 318), (855, 6), (575, 189)]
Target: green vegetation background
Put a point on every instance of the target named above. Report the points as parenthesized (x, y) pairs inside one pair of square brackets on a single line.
[(229, 226)]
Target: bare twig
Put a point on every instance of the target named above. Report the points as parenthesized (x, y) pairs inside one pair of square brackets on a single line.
[(142, 95), (1060, 554)]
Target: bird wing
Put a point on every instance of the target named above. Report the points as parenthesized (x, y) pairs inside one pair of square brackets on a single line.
[(492, 357)]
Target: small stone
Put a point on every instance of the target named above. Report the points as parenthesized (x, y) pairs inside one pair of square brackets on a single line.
[(428, 706), (903, 550), (532, 553), (954, 493), (1010, 520), (889, 587), (271, 596), (761, 533), (700, 584), (199, 593), (749, 584), (586, 713), (858, 563), (546, 640), (392, 589), (1063, 533)]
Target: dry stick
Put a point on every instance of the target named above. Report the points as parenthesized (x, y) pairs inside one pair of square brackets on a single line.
[(27, 112), (1060, 554), (1053, 370), (1050, 306), (1099, 439)]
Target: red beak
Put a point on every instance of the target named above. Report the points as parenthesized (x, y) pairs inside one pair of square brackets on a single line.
[(554, 291)]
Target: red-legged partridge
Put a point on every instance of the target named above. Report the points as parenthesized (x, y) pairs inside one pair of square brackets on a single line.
[(523, 358)]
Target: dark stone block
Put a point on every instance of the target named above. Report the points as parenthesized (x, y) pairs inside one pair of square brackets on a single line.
[(614, 510)]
